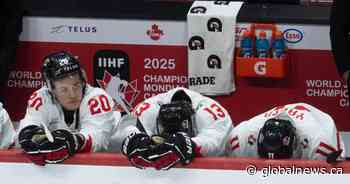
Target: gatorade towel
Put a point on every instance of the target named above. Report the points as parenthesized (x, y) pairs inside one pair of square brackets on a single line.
[(211, 42)]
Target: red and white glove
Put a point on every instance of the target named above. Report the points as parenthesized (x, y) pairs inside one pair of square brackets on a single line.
[(136, 147), (177, 148), (40, 150)]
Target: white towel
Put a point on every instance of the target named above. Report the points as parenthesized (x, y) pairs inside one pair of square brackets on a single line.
[(211, 42)]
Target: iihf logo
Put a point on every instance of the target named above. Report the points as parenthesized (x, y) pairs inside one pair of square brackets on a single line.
[(196, 43), (155, 33), (214, 25), (111, 72)]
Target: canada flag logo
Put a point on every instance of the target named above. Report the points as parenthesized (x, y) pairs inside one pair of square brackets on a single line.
[(155, 33), (123, 92)]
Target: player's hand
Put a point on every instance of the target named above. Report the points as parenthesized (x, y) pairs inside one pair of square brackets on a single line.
[(333, 157), (30, 139), (40, 150), (65, 145), (177, 148), (137, 147)]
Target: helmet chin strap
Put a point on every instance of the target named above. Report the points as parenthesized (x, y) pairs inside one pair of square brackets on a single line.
[(48, 84)]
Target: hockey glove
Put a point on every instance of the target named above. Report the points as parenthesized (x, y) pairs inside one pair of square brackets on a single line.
[(333, 157), (41, 151), (30, 139), (136, 147), (65, 145), (177, 148)]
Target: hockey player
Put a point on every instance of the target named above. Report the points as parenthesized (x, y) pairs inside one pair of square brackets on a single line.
[(298, 131), (174, 127), (7, 131), (66, 115)]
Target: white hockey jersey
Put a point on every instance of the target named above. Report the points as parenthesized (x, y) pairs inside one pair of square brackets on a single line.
[(7, 131), (212, 122), (316, 133), (95, 121)]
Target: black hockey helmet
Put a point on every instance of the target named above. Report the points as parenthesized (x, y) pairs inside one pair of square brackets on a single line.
[(180, 95), (277, 139), (60, 65), (177, 116)]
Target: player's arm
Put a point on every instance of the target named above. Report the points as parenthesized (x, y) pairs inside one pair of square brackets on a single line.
[(214, 125), (137, 143), (234, 143), (38, 144), (7, 131), (37, 110), (328, 143), (36, 115), (329, 147)]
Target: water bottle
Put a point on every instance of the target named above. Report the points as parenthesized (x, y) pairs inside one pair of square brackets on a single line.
[(262, 45), (278, 46), (246, 45)]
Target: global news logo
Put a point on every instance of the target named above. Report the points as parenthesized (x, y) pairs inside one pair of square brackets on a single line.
[(73, 29)]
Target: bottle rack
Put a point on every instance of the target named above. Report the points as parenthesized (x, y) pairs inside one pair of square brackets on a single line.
[(262, 67)]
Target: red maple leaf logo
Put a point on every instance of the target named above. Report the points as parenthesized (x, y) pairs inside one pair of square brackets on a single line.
[(106, 79), (123, 92), (155, 33)]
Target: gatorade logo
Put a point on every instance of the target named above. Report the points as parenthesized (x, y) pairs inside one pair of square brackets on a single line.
[(214, 25), (196, 43), (221, 2), (198, 9), (213, 62), (260, 68)]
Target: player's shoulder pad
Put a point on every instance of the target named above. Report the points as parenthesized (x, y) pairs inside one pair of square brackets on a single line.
[(94, 96), (248, 127), (92, 92)]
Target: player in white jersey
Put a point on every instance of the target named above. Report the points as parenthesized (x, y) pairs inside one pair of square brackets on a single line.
[(7, 131), (174, 127), (298, 131), (66, 115)]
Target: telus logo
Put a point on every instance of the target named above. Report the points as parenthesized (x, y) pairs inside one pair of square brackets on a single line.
[(73, 29)]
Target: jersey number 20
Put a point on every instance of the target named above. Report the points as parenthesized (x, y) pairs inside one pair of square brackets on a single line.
[(99, 104)]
